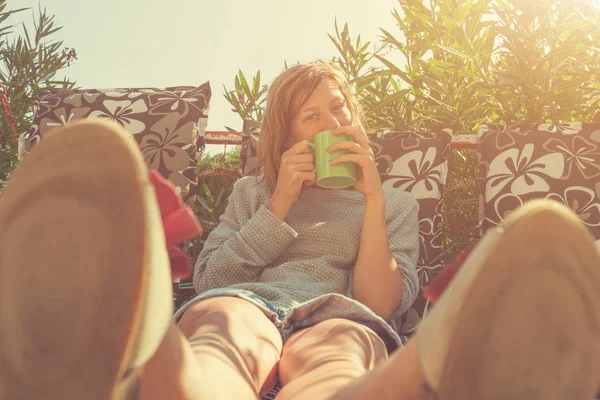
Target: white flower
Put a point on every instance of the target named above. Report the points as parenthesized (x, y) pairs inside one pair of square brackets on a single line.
[(581, 153), (122, 111), (77, 99), (504, 205), (123, 93), (167, 102), (581, 200), (521, 172), (62, 118), (417, 173), (568, 128)]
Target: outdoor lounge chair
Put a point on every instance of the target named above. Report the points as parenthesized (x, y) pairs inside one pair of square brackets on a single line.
[(515, 163)]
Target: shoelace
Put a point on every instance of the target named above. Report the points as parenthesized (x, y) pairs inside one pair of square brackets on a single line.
[(439, 284), (179, 224)]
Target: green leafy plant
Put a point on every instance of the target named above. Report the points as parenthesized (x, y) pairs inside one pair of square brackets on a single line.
[(548, 61), (476, 62), (247, 100), (216, 175), (212, 201), (460, 64), (383, 101), (29, 62)]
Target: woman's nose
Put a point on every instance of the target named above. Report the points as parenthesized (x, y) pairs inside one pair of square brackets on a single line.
[(329, 122)]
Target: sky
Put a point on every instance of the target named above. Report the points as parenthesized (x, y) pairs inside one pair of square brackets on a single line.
[(161, 43)]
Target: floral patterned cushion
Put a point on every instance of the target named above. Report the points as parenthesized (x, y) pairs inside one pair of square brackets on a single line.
[(526, 161), (168, 124), (416, 162)]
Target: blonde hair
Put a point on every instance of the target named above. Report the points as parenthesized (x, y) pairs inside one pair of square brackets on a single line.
[(287, 94)]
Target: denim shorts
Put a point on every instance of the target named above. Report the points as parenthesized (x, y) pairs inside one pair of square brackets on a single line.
[(310, 313)]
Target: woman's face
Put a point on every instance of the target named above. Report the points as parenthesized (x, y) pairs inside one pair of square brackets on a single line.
[(325, 109)]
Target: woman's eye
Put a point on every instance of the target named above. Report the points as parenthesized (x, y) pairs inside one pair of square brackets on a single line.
[(311, 117), (339, 107)]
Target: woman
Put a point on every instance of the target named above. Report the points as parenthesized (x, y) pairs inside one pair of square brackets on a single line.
[(309, 259), (296, 283)]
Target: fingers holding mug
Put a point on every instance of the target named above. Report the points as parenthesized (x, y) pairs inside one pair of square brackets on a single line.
[(359, 136), (352, 147)]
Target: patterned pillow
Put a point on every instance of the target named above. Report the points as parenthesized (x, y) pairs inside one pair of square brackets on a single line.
[(168, 124), (526, 161), (416, 162)]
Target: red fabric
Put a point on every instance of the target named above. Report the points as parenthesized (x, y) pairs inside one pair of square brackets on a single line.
[(179, 224), (181, 266), (439, 284), (168, 199)]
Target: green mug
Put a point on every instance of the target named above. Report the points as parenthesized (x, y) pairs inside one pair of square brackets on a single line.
[(329, 176)]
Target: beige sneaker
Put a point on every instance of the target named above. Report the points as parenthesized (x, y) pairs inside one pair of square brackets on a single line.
[(85, 283), (521, 319)]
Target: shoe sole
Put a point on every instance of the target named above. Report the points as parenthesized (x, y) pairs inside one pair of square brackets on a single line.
[(526, 310), (82, 261)]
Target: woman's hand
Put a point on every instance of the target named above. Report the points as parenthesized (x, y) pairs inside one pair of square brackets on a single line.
[(368, 181), (296, 170)]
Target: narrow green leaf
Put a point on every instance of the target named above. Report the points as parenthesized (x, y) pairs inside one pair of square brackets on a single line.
[(389, 38), (245, 86), (395, 70), (238, 86), (257, 84), (394, 97), (204, 204), (453, 51), (208, 193), (336, 44), (220, 196), (443, 64), (467, 73)]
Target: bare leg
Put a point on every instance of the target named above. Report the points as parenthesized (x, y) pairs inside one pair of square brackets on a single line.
[(223, 348), (316, 362), (398, 378)]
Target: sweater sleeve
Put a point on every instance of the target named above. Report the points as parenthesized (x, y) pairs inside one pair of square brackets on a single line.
[(248, 238), (403, 234)]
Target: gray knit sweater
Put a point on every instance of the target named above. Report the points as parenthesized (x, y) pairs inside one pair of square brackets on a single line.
[(310, 254)]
